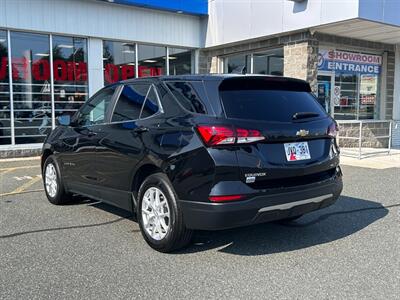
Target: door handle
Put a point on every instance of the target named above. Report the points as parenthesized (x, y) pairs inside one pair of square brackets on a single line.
[(140, 129)]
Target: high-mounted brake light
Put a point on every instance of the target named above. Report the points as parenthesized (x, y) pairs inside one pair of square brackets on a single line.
[(226, 135), (333, 130), (226, 198)]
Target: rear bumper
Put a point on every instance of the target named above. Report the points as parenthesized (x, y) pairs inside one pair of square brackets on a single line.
[(262, 207)]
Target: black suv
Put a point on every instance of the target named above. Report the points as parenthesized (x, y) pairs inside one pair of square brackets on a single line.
[(197, 152)]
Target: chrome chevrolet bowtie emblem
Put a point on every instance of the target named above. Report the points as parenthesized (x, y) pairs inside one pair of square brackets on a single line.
[(302, 132)]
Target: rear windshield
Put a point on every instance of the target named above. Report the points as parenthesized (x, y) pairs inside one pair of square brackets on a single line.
[(269, 105)]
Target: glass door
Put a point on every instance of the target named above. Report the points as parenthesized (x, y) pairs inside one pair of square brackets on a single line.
[(346, 104), (325, 90)]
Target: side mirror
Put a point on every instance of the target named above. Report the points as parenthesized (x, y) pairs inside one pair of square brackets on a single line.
[(64, 120)]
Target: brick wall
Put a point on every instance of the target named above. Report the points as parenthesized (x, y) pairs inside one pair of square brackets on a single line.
[(301, 60)]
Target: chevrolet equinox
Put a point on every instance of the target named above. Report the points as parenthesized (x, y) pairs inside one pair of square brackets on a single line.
[(194, 152)]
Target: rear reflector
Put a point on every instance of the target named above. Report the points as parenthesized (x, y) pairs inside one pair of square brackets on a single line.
[(333, 130), (226, 198), (226, 135)]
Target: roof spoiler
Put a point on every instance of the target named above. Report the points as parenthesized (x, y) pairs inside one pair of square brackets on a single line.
[(264, 83)]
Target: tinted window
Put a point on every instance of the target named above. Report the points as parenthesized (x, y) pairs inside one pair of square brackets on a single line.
[(130, 102), (187, 96), (268, 105), (94, 112), (150, 106)]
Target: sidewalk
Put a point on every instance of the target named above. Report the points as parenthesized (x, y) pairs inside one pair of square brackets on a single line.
[(382, 161)]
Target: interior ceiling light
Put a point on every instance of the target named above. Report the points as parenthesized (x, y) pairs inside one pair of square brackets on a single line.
[(2, 40), (42, 54), (65, 46), (150, 61), (128, 51)]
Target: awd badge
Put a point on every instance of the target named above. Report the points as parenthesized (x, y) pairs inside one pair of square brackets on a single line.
[(251, 177)]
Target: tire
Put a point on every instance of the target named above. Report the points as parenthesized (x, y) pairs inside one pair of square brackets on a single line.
[(56, 194), (171, 233)]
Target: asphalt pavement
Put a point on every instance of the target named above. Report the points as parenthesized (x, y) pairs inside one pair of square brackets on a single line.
[(90, 250)]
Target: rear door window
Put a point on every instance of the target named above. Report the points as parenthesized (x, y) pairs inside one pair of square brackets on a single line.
[(186, 94), (268, 104)]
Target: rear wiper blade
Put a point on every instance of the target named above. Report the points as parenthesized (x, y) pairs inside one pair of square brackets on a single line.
[(304, 115)]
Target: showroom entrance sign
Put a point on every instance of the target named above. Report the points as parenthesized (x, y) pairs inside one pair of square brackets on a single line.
[(349, 62)]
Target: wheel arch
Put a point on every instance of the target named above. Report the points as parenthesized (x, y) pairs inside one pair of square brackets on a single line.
[(141, 174), (46, 153)]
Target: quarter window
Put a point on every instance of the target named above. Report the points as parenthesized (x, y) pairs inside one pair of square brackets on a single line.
[(186, 95), (150, 106), (136, 101)]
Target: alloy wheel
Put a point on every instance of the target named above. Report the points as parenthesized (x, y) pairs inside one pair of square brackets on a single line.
[(155, 213), (51, 180)]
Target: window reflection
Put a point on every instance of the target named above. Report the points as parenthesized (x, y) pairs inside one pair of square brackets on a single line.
[(239, 64), (5, 113), (31, 86), (118, 61), (180, 61), (70, 74), (151, 60), (268, 62)]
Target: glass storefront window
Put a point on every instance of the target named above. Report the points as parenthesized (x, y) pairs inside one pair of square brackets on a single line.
[(239, 64), (70, 74), (369, 94), (5, 112), (118, 61), (31, 86), (268, 62), (180, 61), (152, 60)]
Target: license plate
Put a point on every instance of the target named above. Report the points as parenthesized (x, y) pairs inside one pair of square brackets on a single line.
[(297, 151)]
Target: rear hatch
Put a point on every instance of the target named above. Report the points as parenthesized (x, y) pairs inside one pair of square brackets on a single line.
[(298, 145)]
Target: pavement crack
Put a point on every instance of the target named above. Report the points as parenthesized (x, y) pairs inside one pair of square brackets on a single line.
[(61, 228)]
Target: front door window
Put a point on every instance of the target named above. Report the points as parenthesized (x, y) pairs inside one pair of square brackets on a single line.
[(94, 112)]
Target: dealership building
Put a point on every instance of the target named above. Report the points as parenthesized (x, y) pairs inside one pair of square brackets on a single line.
[(55, 54)]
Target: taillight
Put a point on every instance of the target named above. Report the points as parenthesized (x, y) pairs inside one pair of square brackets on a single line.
[(248, 136), (227, 135), (333, 130), (217, 135), (226, 198)]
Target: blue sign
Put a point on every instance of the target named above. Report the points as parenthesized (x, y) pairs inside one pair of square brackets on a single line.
[(195, 7), (349, 62)]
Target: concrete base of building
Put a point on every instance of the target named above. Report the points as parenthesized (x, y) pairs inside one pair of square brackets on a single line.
[(20, 151)]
